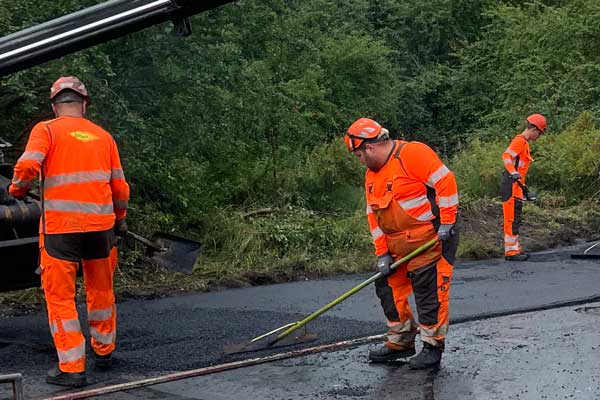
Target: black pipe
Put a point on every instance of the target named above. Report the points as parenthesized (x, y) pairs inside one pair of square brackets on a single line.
[(89, 27), (20, 214)]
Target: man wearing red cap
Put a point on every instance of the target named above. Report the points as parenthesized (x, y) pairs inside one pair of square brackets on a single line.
[(517, 158), (84, 203)]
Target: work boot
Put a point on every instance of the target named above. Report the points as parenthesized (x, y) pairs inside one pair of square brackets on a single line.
[(517, 257), (103, 362), (392, 351), (72, 379), (429, 357)]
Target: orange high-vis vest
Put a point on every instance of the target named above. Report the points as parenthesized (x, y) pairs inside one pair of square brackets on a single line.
[(517, 158), (83, 184), (403, 198)]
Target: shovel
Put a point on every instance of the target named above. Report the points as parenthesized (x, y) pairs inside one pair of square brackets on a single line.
[(529, 196), (170, 251), (273, 337), (586, 255)]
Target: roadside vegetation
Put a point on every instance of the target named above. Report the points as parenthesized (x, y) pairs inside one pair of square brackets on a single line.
[(233, 135)]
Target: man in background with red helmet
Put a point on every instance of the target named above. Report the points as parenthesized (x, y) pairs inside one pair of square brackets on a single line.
[(84, 202), (517, 158), (412, 198)]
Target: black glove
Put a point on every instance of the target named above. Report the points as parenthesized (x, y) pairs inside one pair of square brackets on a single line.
[(515, 176), (6, 199), (120, 228), (383, 264), (445, 231)]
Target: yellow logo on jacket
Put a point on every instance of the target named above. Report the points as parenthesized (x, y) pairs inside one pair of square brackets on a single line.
[(83, 136)]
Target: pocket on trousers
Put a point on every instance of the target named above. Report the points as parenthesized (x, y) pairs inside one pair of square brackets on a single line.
[(506, 185)]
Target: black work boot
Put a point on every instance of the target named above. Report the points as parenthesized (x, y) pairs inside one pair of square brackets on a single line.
[(392, 351), (517, 257), (103, 362), (72, 379), (429, 357)]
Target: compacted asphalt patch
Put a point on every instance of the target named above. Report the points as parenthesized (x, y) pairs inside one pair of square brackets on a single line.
[(157, 337)]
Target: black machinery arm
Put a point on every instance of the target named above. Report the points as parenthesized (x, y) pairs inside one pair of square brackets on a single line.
[(94, 25)]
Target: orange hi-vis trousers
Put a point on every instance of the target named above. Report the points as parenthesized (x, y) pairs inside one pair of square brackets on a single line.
[(58, 281), (513, 210)]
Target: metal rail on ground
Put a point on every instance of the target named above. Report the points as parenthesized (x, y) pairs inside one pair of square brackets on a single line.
[(297, 353), (16, 380), (211, 370)]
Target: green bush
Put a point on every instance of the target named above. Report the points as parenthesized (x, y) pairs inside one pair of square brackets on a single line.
[(567, 163), (478, 168)]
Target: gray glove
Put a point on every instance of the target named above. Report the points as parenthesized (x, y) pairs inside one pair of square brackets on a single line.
[(445, 231), (120, 228), (515, 176), (383, 264)]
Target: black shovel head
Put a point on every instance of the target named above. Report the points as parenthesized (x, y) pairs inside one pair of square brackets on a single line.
[(269, 343), (594, 256), (177, 253)]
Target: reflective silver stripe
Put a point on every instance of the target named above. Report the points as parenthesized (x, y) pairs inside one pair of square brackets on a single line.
[(117, 173), (437, 175), (76, 177), (441, 330), (426, 216), (414, 202), (100, 315), (369, 210), (507, 161), (448, 201), (521, 164), (512, 153), (78, 206), (32, 155), (400, 327), (22, 184), (509, 238), (376, 233), (120, 204), (53, 328), (513, 247), (104, 338), (74, 354), (69, 325)]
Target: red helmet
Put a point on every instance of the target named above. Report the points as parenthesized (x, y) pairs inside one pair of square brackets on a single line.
[(539, 121), (69, 83), (364, 130)]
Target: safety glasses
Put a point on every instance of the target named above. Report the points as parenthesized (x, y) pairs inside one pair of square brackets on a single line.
[(353, 142)]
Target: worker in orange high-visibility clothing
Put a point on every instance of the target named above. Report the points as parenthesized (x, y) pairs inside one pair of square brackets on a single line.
[(517, 158), (412, 198), (84, 201)]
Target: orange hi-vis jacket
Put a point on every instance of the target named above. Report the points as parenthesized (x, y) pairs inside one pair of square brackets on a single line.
[(412, 189), (83, 184), (517, 158)]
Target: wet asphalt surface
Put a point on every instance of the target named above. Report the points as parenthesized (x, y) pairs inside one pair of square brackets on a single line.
[(162, 336)]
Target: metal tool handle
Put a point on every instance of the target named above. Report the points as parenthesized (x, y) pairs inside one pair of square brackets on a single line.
[(349, 293), (145, 241)]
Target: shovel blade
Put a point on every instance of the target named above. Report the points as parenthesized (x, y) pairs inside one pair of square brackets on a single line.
[(177, 254), (267, 343), (585, 256)]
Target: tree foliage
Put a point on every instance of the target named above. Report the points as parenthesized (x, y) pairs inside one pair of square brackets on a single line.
[(249, 110)]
